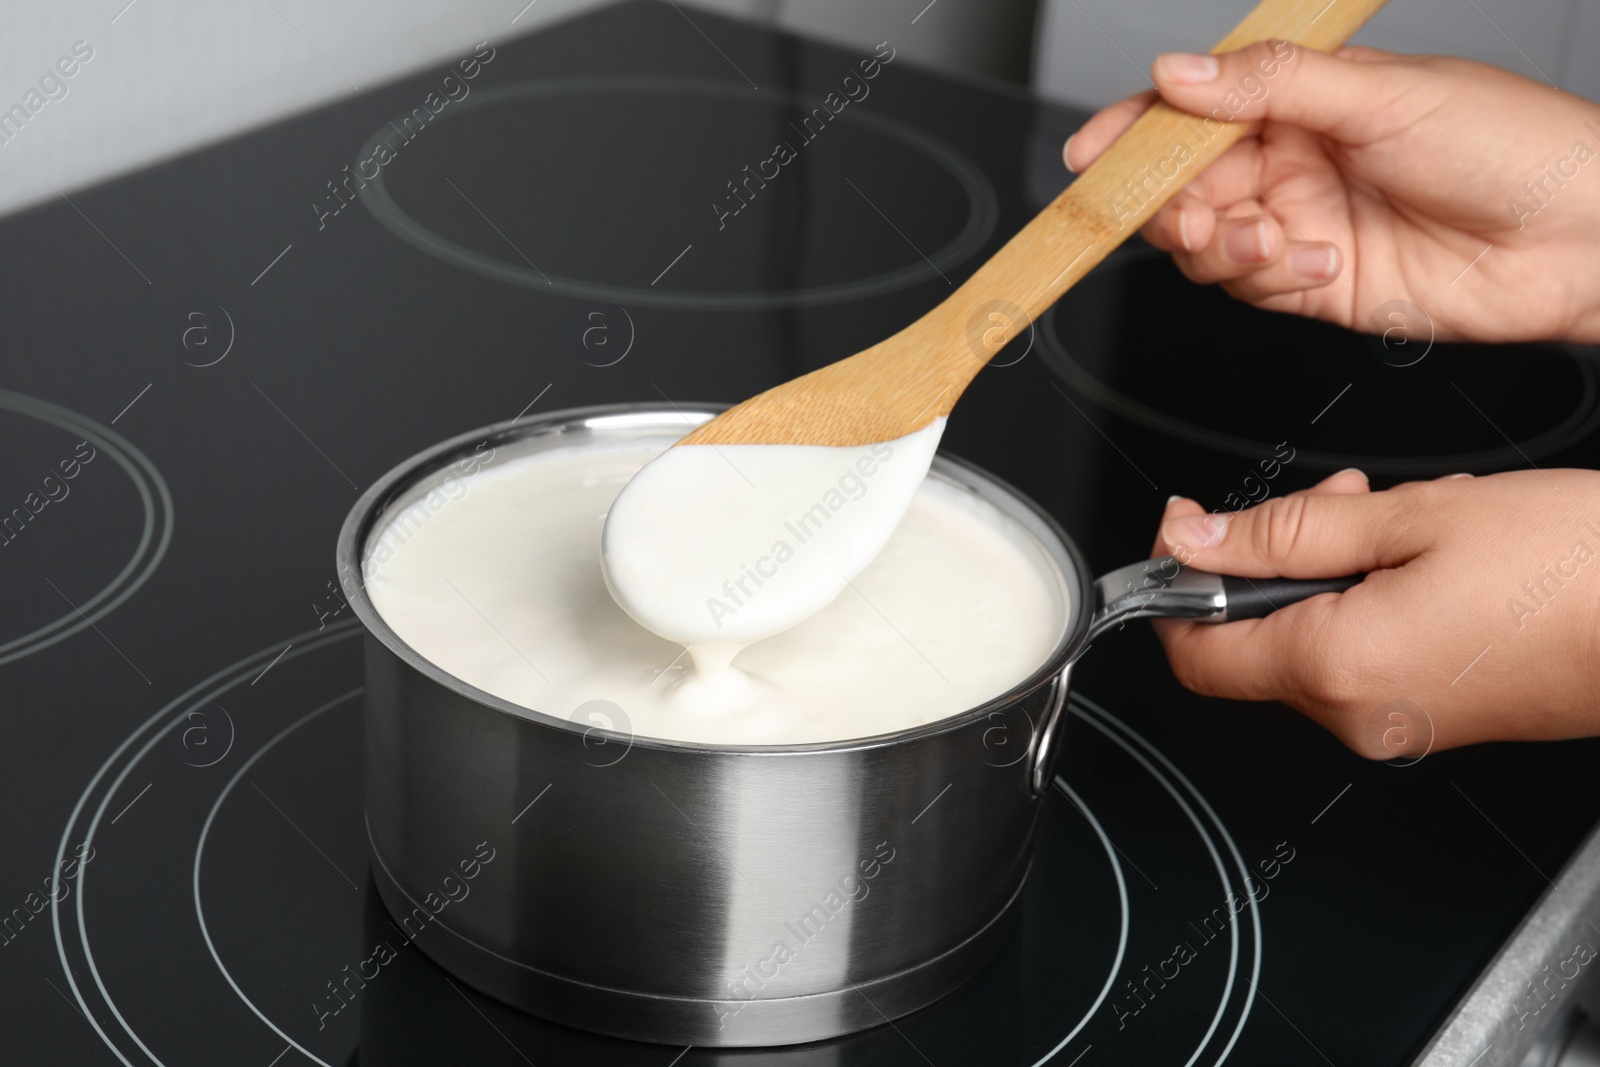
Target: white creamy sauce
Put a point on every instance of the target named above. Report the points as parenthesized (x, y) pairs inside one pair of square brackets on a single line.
[(717, 546), (502, 587)]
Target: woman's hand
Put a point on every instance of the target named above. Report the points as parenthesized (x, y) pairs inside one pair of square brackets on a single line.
[(1481, 607), (1463, 188)]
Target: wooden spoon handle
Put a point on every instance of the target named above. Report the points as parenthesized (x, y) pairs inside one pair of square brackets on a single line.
[(1142, 170), (906, 381)]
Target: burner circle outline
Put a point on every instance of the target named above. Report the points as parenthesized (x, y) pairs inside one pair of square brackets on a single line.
[(153, 542), (1583, 419), (245, 669), (980, 225), (203, 692)]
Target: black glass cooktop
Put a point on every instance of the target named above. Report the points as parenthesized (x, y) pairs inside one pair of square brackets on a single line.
[(206, 361)]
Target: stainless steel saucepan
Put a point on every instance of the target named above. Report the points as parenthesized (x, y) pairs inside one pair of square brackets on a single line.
[(716, 894)]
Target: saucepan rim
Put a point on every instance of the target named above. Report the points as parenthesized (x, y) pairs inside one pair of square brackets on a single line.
[(376, 500)]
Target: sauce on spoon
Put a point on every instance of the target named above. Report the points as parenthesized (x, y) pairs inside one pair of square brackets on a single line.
[(716, 547)]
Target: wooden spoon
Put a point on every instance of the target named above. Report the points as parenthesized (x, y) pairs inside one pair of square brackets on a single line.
[(901, 384)]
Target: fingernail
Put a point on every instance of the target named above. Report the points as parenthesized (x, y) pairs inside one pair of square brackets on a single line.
[(1066, 153), (1186, 69), (1351, 470), (1315, 262), (1246, 244), (1453, 477), (1195, 532), (1172, 499), (1183, 230)]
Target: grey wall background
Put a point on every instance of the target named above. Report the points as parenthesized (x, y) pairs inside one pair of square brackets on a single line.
[(170, 75), (1097, 51)]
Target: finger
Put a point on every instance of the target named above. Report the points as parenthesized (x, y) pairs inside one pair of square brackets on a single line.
[(1303, 265), (1289, 655), (1235, 176), (1229, 188), (1314, 535), (1240, 245), (1278, 80), (1096, 135), (1363, 54), (1350, 481), (1187, 224), (1178, 507)]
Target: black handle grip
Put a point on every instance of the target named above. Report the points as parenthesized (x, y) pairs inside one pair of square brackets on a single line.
[(1252, 598)]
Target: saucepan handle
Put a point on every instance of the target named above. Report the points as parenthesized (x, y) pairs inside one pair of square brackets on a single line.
[(1164, 588)]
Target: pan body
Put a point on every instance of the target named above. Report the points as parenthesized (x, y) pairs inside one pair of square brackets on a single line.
[(690, 893)]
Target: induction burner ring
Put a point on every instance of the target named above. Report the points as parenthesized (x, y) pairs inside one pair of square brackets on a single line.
[(980, 224), (1081, 805), (1122, 938), (154, 537), (1083, 708), (236, 673), (1578, 423), (1160, 768), (199, 853)]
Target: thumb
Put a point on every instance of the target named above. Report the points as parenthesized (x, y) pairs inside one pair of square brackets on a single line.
[(1303, 536), (1279, 80)]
